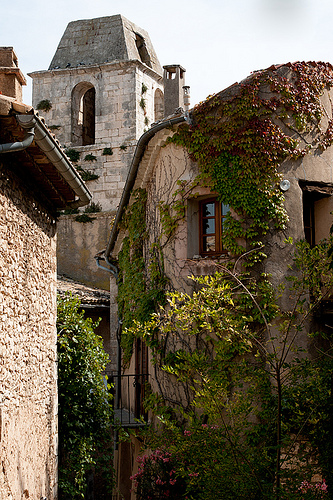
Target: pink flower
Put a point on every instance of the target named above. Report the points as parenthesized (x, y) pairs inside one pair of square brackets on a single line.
[(187, 433)]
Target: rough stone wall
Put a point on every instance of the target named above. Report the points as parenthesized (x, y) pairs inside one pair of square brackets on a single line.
[(28, 392), (119, 118), (119, 122)]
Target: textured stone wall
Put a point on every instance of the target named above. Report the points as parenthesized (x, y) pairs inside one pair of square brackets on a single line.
[(120, 119), (77, 245), (28, 392)]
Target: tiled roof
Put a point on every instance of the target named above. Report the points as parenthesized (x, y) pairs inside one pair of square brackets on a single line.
[(89, 296)]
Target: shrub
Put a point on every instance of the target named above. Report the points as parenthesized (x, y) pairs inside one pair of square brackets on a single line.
[(93, 207), (90, 157), (72, 154), (44, 105), (156, 478), (85, 408), (107, 151)]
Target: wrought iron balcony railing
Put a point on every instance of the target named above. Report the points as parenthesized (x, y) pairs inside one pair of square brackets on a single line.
[(129, 392)]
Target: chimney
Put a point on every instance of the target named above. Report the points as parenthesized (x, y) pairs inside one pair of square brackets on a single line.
[(174, 81), (11, 77)]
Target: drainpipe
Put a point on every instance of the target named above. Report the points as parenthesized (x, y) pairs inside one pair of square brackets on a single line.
[(105, 254), (131, 178)]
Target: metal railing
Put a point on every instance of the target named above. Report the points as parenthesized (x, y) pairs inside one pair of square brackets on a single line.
[(128, 392)]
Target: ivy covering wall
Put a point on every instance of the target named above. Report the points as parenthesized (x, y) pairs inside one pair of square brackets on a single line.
[(211, 345), (241, 137)]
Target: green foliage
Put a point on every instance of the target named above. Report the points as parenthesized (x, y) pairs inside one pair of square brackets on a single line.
[(142, 103), (85, 408), (173, 212), (156, 478), (206, 465), (144, 88), (86, 174), (93, 208), (252, 393), (90, 157), (54, 127), (240, 140), (123, 147), (72, 154), (107, 151), (84, 218), (70, 211), (139, 290), (44, 105)]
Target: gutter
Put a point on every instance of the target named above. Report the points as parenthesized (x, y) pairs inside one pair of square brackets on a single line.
[(131, 177), (36, 130), (13, 147)]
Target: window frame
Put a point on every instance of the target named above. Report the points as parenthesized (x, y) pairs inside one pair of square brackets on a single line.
[(218, 218), (312, 195)]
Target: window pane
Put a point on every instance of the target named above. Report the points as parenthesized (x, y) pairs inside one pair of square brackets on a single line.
[(208, 226), (209, 244), (208, 210), (224, 209)]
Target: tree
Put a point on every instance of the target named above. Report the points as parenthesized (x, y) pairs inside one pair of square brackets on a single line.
[(85, 410), (256, 420)]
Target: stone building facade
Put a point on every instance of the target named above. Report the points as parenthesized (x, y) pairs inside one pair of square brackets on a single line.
[(105, 86), (36, 180), (170, 179)]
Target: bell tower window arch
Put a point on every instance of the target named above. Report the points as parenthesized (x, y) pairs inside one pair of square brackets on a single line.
[(158, 105), (83, 114)]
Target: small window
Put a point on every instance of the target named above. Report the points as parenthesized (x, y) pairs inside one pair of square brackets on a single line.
[(317, 207), (211, 219)]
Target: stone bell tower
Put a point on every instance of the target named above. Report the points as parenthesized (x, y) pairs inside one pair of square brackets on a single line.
[(103, 89)]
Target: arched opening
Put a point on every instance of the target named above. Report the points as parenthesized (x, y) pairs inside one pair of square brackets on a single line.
[(158, 105), (142, 49), (83, 114)]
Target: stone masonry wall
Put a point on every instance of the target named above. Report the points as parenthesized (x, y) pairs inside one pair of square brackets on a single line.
[(28, 392), (77, 245), (123, 112)]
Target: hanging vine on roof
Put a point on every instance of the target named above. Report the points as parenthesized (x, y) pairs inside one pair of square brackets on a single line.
[(241, 136)]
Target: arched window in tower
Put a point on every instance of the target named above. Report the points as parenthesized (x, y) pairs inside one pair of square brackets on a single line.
[(158, 105), (83, 114), (142, 49)]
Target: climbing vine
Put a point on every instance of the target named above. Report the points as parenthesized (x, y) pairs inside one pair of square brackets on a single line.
[(215, 350), (139, 289), (241, 136)]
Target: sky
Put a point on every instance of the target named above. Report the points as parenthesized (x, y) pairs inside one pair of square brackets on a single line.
[(218, 42)]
